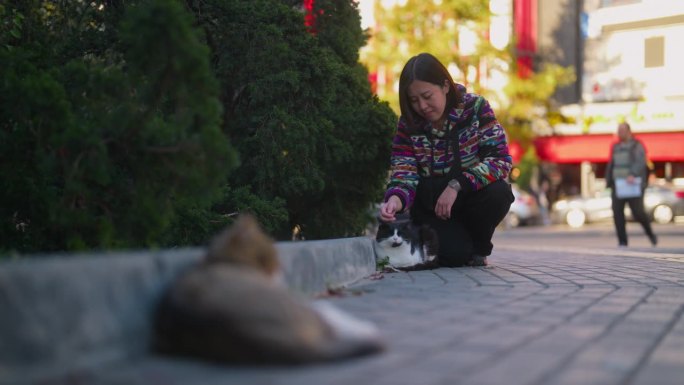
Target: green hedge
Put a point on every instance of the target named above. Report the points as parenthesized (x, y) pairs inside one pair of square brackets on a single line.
[(121, 122)]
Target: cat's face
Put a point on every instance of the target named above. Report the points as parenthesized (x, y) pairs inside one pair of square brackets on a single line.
[(393, 234), (407, 246)]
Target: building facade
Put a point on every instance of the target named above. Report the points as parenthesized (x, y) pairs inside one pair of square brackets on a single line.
[(628, 62)]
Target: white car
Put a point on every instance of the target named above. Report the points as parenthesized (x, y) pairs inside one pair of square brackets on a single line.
[(661, 203), (524, 209)]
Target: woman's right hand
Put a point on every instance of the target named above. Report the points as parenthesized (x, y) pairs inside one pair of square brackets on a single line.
[(389, 208)]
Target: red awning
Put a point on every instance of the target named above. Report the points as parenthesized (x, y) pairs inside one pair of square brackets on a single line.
[(660, 147)]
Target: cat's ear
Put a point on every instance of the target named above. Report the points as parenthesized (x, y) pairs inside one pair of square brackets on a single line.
[(245, 243), (245, 228), (234, 239)]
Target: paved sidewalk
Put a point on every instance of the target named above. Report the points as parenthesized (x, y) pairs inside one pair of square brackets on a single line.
[(534, 317)]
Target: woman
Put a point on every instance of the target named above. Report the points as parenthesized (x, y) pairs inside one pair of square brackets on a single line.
[(463, 197)]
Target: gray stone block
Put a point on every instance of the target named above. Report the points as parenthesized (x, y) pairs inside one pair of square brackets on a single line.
[(64, 312), (74, 313), (314, 266)]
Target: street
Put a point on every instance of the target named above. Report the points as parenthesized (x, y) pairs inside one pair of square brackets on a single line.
[(556, 306), (592, 238)]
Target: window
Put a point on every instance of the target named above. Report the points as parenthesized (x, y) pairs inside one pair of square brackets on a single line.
[(654, 52)]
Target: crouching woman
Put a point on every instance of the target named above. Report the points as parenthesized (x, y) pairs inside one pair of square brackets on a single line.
[(450, 162)]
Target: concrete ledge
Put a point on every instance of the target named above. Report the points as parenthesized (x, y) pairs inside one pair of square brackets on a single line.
[(64, 313), (314, 266)]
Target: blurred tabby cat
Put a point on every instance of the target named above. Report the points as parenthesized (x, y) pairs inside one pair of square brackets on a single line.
[(231, 308)]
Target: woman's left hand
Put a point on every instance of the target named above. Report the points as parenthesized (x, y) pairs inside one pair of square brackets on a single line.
[(445, 202)]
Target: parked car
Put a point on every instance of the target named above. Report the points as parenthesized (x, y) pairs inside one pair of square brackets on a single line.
[(524, 209), (661, 203)]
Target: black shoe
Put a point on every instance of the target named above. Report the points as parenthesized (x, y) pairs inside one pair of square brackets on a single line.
[(653, 239), (478, 260)]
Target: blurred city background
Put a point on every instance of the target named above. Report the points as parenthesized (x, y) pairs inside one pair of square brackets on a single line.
[(150, 123), (561, 75)]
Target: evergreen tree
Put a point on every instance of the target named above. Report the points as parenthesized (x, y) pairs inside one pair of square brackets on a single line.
[(314, 141), (110, 124), (115, 117)]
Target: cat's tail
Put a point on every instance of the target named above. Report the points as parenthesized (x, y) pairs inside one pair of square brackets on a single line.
[(428, 235), (352, 336)]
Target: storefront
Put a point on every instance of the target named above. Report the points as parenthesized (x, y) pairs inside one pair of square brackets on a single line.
[(581, 159)]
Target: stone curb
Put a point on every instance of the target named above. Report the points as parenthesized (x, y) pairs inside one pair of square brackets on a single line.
[(63, 313)]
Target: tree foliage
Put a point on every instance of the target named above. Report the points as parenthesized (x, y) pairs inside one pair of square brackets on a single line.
[(121, 121), (313, 140), (408, 28), (531, 101), (456, 31), (110, 124)]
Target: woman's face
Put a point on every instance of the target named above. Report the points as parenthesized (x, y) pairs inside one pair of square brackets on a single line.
[(428, 100)]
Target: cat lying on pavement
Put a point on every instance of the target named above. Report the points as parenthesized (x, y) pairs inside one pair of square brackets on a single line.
[(231, 308), (406, 246)]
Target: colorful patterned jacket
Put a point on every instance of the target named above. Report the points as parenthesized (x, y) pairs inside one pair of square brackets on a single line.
[(482, 145)]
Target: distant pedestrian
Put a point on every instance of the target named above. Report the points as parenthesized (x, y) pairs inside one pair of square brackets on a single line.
[(627, 176), (450, 162)]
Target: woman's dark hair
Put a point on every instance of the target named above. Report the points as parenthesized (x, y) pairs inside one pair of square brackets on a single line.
[(427, 68)]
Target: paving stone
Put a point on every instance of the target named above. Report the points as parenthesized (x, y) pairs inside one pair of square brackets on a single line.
[(521, 368), (535, 317)]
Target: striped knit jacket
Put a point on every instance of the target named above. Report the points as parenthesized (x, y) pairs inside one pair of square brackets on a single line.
[(483, 151)]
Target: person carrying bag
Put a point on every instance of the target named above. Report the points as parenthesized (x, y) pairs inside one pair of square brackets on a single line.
[(627, 176)]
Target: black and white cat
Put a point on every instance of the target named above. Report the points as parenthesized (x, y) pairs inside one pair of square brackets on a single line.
[(406, 246)]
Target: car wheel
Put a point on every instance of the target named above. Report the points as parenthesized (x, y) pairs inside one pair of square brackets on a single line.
[(662, 214), (575, 218)]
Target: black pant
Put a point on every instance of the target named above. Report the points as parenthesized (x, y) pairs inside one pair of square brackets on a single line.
[(474, 217), (636, 205)]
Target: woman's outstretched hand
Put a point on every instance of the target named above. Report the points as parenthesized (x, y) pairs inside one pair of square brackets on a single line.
[(389, 208), (445, 202)]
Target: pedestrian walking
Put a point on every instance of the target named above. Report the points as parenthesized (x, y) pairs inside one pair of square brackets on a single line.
[(627, 176), (449, 163)]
